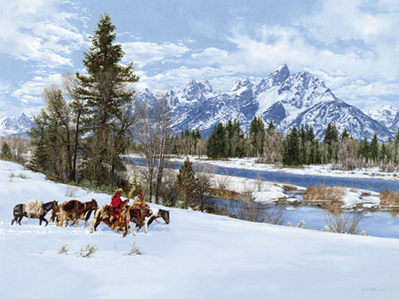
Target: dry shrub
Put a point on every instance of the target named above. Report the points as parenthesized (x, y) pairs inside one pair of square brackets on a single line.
[(366, 193), (250, 210), (389, 198), (325, 197), (289, 187), (394, 213), (343, 223)]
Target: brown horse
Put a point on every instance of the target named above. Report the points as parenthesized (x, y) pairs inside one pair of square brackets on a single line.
[(75, 210)]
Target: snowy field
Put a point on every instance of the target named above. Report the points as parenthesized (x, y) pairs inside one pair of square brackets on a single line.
[(195, 256)]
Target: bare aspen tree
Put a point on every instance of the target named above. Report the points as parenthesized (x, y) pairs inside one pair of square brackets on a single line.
[(144, 139), (163, 127), (150, 134)]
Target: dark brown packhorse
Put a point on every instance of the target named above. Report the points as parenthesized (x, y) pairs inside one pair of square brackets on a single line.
[(19, 213)]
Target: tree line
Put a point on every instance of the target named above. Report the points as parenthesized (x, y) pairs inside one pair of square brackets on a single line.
[(299, 146)]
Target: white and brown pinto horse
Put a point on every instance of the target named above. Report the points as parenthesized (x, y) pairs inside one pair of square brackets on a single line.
[(151, 215)]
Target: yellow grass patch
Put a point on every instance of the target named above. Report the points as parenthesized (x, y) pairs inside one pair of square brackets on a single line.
[(329, 198), (389, 198)]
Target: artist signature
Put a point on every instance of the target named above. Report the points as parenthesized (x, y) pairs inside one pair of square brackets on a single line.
[(372, 289)]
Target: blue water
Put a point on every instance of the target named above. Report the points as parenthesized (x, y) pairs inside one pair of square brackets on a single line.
[(377, 224), (372, 184)]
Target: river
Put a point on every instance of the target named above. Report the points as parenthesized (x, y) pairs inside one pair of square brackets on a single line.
[(305, 180)]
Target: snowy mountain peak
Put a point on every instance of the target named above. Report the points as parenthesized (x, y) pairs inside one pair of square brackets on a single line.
[(242, 82), (277, 77), (15, 124), (205, 86), (280, 74), (385, 115)]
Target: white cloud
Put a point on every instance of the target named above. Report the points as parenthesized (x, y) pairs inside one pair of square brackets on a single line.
[(178, 78), (30, 92), (143, 53), (38, 31)]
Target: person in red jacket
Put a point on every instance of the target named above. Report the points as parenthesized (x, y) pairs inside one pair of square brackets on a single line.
[(117, 203)]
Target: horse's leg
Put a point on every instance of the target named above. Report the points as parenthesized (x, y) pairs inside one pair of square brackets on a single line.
[(96, 225), (130, 229), (19, 219), (92, 225), (43, 219), (88, 216), (14, 220)]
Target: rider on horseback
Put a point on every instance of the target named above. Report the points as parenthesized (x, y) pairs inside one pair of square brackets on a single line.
[(139, 203), (117, 203)]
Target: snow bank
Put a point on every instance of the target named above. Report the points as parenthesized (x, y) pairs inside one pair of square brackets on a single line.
[(195, 256)]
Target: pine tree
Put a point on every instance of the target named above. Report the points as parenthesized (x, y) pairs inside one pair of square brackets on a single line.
[(291, 148), (216, 146), (330, 140), (6, 153), (257, 135), (106, 95), (187, 184), (344, 134), (271, 126), (374, 148), (363, 150)]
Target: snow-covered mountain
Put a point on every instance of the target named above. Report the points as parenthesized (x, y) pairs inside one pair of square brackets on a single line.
[(17, 124), (286, 99), (385, 115)]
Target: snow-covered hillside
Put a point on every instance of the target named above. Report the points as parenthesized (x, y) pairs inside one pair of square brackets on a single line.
[(195, 256)]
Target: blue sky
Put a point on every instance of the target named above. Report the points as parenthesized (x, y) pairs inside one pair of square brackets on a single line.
[(352, 45)]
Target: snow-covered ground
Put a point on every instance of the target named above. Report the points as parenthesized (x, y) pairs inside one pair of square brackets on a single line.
[(195, 256)]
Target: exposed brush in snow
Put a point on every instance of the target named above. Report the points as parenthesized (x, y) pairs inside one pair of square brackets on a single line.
[(88, 251), (135, 250), (343, 223), (71, 191), (64, 249)]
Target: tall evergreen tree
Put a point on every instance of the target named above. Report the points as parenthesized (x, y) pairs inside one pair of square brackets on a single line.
[(363, 149), (257, 135), (106, 94), (6, 153), (291, 148), (374, 148), (187, 184), (216, 145), (331, 136), (344, 134)]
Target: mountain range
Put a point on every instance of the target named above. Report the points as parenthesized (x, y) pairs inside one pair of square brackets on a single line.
[(284, 98), (14, 125)]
